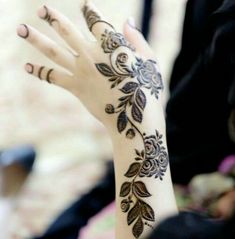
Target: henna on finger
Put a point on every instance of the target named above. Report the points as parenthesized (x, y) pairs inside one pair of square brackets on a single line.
[(47, 16), (40, 72), (23, 33), (92, 17), (29, 68), (48, 77)]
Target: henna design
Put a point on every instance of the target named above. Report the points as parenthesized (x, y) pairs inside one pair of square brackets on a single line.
[(48, 17), (27, 32), (40, 72), (31, 68), (152, 160), (92, 17), (48, 75)]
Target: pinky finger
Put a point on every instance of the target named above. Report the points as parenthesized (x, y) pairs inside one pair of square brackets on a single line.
[(50, 75)]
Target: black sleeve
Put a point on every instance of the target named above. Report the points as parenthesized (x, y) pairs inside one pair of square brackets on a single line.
[(200, 103), (194, 226)]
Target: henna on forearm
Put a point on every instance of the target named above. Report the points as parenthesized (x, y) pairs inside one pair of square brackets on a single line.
[(152, 160)]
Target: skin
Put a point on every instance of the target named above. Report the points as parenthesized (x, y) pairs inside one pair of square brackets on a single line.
[(85, 79)]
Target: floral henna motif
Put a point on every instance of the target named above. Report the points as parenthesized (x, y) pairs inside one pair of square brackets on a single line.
[(153, 160), (148, 76), (111, 40)]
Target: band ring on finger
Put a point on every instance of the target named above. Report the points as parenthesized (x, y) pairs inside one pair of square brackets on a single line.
[(30, 69)]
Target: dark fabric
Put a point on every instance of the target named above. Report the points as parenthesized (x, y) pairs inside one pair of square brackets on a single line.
[(69, 223), (146, 19), (23, 155), (193, 226), (202, 90)]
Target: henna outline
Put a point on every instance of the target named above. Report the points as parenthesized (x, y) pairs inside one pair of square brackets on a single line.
[(48, 75), (32, 68), (27, 32), (92, 17), (40, 72), (48, 16)]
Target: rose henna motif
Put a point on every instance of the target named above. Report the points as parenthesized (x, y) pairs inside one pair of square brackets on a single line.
[(152, 160)]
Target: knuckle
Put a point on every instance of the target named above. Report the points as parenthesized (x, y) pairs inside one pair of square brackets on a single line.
[(51, 52)]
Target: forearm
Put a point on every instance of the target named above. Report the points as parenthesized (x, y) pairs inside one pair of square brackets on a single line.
[(122, 88), (148, 189)]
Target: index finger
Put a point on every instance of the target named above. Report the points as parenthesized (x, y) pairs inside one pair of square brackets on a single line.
[(95, 20)]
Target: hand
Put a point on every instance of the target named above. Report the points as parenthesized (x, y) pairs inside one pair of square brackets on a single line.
[(107, 75), (110, 77)]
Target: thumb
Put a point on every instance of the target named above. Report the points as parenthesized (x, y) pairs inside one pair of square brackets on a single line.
[(134, 36)]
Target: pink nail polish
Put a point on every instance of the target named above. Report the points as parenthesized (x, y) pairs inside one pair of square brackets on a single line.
[(29, 68), (42, 12), (131, 22), (23, 31)]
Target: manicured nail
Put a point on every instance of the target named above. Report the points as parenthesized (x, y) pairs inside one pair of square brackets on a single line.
[(29, 68), (42, 11), (131, 22), (23, 31)]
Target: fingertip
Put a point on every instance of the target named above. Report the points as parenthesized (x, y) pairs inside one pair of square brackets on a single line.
[(22, 31), (29, 68), (42, 11), (131, 22)]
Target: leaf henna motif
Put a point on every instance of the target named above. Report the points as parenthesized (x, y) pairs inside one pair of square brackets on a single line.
[(122, 122), (136, 113), (129, 87), (133, 170), (147, 212), (133, 213), (125, 189), (105, 69), (140, 189), (138, 228), (140, 99)]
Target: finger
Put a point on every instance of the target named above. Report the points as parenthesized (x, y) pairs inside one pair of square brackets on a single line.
[(63, 27), (50, 75), (134, 36), (47, 47), (95, 21)]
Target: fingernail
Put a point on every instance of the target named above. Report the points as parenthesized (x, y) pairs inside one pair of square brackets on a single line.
[(23, 31), (131, 22), (29, 68), (42, 11)]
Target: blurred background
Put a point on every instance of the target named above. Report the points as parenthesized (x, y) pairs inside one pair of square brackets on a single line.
[(71, 146)]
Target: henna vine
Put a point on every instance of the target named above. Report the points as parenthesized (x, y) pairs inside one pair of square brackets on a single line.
[(152, 160)]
